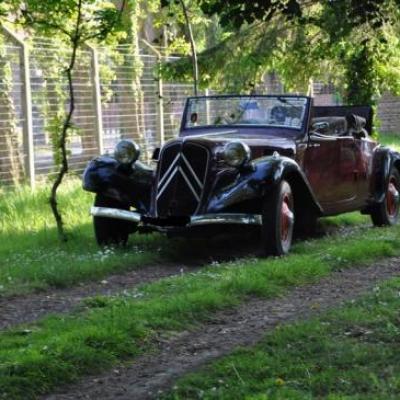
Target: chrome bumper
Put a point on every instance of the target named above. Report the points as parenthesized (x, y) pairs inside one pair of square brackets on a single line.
[(197, 220), (115, 213)]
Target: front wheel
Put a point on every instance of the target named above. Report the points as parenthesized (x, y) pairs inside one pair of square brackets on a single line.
[(278, 221), (109, 231), (387, 212)]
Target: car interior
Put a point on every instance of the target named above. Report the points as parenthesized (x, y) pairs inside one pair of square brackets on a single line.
[(337, 121)]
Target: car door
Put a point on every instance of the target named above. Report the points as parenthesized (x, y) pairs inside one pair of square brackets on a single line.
[(320, 167), (364, 148), (329, 164)]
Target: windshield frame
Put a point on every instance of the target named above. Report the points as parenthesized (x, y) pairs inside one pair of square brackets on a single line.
[(302, 129)]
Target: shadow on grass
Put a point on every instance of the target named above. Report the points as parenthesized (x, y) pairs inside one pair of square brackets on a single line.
[(36, 260)]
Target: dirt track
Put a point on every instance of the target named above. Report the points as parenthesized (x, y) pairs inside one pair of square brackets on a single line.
[(23, 309), (28, 308), (149, 374)]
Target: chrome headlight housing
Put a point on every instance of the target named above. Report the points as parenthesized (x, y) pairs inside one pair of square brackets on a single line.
[(236, 153), (126, 151)]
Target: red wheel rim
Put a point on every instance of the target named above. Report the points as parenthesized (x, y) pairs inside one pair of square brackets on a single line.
[(392, 197), (287, 220)]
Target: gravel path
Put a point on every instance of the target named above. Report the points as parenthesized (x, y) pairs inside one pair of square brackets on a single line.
[(244, 326)]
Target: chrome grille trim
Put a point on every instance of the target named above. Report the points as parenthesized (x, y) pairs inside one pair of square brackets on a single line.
[(194, 182)]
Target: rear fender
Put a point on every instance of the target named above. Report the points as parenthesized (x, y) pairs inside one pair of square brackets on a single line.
[(384, 160), (130, 185)]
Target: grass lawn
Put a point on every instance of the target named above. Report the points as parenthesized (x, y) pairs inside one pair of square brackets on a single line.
[(350, 353), (59, 349), (31, 257), (391, 139)]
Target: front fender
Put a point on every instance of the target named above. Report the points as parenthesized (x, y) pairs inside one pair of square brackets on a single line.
[(260, 179), (130, 185)]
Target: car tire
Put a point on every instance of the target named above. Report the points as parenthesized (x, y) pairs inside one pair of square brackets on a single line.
[(109, 231), (278, 220), (386, 213)]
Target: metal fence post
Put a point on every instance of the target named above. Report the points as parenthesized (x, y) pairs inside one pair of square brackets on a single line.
[(95, 78), (207, 93), (161, 130), (26, 107)]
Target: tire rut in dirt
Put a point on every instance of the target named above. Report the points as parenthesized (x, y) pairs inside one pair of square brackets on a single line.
[(24, 309), (244, 326)]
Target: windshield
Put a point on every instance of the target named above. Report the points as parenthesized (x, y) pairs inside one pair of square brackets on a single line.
[(269, 111)]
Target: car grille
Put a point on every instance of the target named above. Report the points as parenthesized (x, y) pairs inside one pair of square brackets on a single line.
[(182, 175)]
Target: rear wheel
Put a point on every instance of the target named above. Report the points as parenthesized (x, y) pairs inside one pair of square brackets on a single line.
[(387, 212), (278, 221), (109, 231)]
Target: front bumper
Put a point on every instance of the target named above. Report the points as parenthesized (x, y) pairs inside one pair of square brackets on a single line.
[(197, 220)]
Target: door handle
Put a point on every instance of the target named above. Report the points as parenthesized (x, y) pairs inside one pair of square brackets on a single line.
[(314, 145)]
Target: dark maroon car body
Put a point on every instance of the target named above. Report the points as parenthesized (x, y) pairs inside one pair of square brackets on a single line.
[(330, 171)]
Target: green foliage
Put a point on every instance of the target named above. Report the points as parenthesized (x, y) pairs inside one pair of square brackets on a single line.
[(355, 46), (99, 18)]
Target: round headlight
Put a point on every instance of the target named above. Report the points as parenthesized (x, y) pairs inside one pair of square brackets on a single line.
[(126, 151), (236, 153)]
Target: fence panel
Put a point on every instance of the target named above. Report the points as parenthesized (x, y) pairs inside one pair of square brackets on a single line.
[(12, 157), (49, 88), (117, 95)]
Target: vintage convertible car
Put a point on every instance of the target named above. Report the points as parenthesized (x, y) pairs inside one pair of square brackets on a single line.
[(276, 162)]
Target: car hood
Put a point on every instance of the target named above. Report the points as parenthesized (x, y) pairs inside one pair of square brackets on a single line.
[(260, 143)]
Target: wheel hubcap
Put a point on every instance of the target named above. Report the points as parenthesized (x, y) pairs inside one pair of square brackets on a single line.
[(392, 198), (287, 220)]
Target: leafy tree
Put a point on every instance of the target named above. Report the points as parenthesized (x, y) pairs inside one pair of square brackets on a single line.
[(356, 42)]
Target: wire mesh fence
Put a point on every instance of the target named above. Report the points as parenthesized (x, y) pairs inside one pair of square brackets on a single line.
[(118, 94), (12, 158)]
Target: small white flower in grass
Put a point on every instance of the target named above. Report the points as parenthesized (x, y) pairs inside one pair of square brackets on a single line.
[(215, 264)]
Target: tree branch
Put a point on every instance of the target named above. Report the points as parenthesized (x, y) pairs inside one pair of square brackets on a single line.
[(192, 46)]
